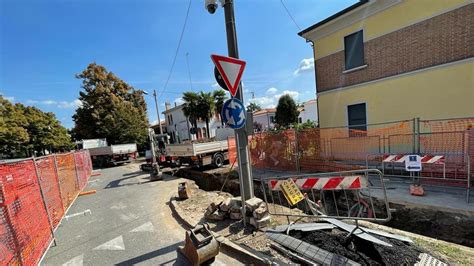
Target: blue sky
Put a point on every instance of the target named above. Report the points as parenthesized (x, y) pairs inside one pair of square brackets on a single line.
[(44, 43)]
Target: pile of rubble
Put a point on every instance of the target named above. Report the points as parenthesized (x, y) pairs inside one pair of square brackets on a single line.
[(255, 208)]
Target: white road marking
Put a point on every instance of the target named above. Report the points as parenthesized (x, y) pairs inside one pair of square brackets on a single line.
[(77, 214), (114, 244), (147, 227), (76, 261)]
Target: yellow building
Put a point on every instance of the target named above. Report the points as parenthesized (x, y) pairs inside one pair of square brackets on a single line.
[(389, 60)]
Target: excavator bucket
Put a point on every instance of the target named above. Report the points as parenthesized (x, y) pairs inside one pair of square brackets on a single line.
[(200, 245)]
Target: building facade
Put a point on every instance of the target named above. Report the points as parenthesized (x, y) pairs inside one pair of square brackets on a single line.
[(309, 112), (389, 60), (264, 119), (179, 128)]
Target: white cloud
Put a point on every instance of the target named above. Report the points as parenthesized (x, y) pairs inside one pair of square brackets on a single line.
[(60, 104), (270, 101), (271, 91), (216, 86), (307, 64), (9, 98), (67, 105), (43, 102), (293, 94), (179, 101)]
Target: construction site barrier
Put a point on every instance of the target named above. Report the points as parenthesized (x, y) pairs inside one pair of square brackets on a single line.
[(339, 195), (34, 194), (347, 148)]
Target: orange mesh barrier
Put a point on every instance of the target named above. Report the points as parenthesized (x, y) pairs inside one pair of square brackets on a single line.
[(27, 195), (67, 178), (50, 187), (274, 150), (23, 207), (232, 151), (341, 148)]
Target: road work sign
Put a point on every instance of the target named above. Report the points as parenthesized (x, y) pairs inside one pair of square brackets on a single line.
[(413, 163), (231, 70), (291, 191), (233, 113)]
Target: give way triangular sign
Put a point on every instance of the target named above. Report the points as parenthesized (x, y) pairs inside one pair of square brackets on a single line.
[(231, 70)]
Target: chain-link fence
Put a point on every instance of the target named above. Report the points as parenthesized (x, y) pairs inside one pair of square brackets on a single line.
[(34, 194)]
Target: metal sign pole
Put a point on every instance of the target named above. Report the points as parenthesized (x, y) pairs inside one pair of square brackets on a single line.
[(241, 137)]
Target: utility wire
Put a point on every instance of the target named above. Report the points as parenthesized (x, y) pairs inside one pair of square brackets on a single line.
[(177, 50), (289, 14)]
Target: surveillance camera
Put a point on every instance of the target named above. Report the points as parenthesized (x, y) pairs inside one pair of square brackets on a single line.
[(211, 6)]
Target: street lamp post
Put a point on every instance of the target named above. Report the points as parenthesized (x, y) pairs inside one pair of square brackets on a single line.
[(157, 112)]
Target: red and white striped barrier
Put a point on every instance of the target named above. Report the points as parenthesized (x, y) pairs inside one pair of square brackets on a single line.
[(324, 183), (428, 159)]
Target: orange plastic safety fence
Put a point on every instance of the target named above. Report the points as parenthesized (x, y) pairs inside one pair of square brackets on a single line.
[(67, 178), (49, 182), (28, 194), (81, 170), (232, 151), (23, 209), (274, 150)]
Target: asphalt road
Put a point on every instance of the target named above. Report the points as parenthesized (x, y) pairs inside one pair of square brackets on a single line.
[(127, 222)]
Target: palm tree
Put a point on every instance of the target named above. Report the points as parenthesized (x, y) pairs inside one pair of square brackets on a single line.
[(190, 108), (219, 98), (252, 107), (206, 108)]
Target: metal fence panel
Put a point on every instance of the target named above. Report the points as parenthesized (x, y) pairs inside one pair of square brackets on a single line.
[(341, 195)]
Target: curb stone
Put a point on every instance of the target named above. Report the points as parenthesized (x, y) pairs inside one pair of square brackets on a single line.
[(226, 244)]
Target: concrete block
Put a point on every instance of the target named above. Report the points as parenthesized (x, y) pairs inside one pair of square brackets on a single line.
[(235, 215), (216, 216), (260, 212), (253, 203), (211, 209), (260, 223)]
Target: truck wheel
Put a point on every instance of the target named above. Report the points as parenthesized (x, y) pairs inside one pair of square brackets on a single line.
[(218, 160)]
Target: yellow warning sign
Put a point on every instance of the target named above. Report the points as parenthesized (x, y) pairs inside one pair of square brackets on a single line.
[(292, 193)]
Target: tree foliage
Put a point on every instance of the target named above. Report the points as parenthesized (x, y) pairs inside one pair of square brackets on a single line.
[(286, 111), (111, 108), (252, 107), (203, 106), (26, 131), (219, 97)]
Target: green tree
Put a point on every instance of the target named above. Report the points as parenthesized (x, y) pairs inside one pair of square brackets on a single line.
[(110, 109), (26, 131), (286, 111), (190, 107), (13, 134), (206, 108), (219, 98), (45, 131), (252, 107)]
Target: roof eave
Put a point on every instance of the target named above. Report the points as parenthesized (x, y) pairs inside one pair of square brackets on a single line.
[(338, 14)]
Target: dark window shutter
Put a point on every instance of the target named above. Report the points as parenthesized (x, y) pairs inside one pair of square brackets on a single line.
[(357, 116), (354, 50)]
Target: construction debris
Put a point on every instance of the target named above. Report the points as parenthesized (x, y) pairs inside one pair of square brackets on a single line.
[(183, 191), (417, 190), (310, 252), (232, 208), (83, 193)]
